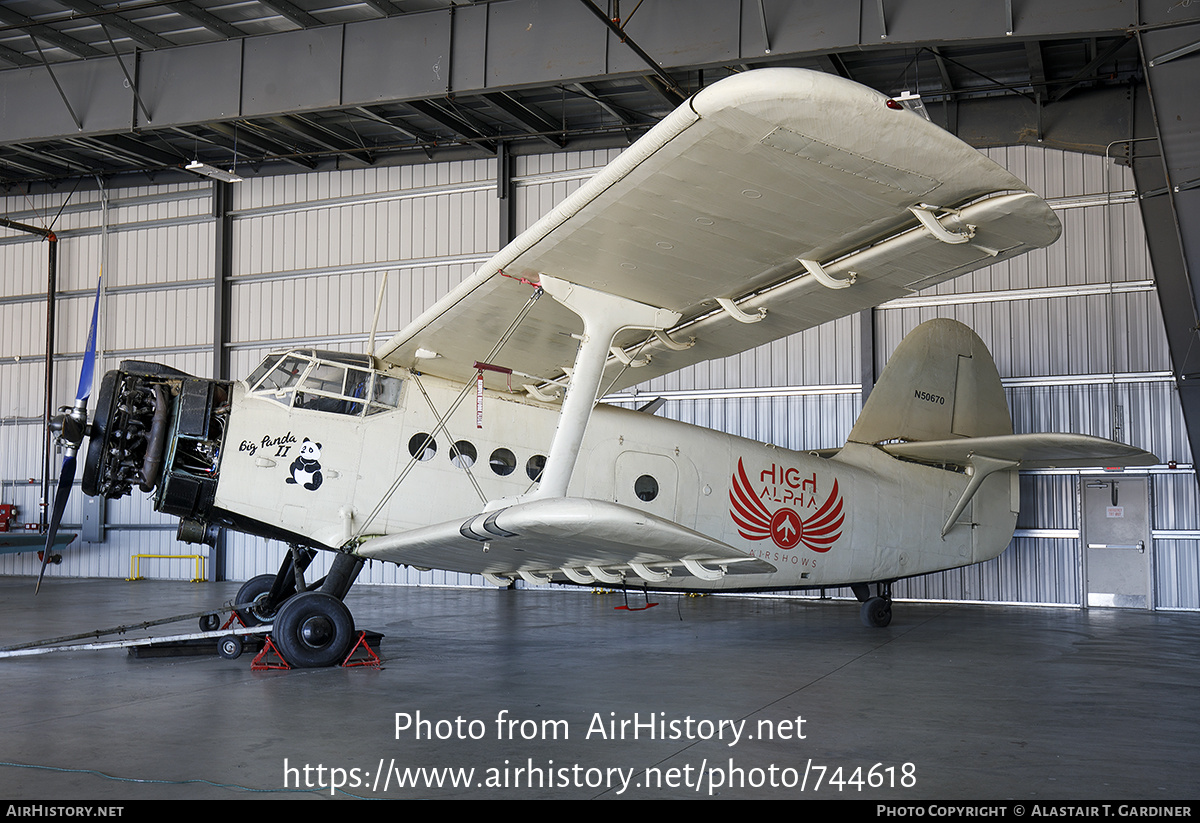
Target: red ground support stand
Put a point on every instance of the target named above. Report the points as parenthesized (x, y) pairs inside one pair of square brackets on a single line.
[(233, 615), (263, 661), (367, 658)]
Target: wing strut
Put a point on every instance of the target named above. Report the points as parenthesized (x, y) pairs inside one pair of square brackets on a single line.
[(603, 316), (512, 327)]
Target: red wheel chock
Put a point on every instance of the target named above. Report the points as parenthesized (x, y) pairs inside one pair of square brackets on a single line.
[(361, 654)]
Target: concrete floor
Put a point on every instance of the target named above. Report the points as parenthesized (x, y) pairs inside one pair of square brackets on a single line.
[(984, 702)]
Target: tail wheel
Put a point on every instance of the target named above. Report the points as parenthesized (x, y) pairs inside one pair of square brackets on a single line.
[(313, 630), (876, 612)]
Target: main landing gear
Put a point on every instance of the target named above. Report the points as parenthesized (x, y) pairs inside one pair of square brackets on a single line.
[(876, 612), (313, 630), (312, 627)]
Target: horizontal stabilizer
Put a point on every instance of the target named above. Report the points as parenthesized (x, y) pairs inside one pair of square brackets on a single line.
[(545, 537), (1028, 451)]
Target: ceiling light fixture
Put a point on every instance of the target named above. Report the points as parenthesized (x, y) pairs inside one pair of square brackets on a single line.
[(205, 170)]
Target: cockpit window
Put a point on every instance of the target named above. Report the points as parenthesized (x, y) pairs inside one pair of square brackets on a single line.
[(285, 375), (337, 385), (263, 368), (324, 389)]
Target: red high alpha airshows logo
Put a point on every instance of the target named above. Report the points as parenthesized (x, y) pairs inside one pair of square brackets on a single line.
[(786, 527)]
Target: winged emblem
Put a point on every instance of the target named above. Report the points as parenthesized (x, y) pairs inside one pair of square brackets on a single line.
[(784, 526)]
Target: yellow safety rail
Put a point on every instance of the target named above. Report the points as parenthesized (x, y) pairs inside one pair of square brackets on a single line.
[(135, 565)]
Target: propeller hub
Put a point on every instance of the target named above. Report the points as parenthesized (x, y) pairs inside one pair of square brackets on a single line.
[(71, 426)]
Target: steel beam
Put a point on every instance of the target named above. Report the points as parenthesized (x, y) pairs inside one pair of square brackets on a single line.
[(222, 204), (135, 32), (1164, 167), (455, 122), (35, 29), (291, 12), (207, 20), (528, 117), (480, 55), (324, 138)]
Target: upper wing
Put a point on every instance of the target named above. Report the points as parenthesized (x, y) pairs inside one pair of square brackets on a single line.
[(723, 199)]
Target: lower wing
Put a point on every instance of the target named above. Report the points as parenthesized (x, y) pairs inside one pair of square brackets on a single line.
[(565, 539)]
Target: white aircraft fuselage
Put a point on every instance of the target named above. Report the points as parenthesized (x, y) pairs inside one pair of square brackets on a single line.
[(891, 510)]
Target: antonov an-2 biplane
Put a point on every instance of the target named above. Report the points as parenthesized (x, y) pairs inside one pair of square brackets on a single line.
[(770, 202)]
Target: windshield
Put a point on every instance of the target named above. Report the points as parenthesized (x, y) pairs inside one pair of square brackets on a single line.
[(307, 380)]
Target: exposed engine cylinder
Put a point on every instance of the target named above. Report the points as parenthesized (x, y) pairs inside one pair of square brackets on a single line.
[(162, 430), (125, 413)]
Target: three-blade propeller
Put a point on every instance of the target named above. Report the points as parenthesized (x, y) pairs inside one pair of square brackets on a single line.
[(72, 426)]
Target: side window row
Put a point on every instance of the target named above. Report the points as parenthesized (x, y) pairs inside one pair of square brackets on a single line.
[(503, 462), (463, 455)]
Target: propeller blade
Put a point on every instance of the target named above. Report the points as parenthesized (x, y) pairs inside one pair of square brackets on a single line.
[(89, 357), (65, 480), (73, 430)]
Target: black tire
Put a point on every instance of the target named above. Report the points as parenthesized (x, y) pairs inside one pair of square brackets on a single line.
[(210, 622), (876, 613), (255, 591), (230, 647), (313, 630)]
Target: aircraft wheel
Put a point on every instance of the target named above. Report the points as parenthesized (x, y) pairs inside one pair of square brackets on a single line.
[(255, 591), (230, 647), (313, 630), (876, 612), (210, 622)]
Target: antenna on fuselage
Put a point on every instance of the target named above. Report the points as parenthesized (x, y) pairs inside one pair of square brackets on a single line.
[(375, 320)]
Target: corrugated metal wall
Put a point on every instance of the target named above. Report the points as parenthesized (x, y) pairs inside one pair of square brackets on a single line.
[(155, 247), (1076, 331)]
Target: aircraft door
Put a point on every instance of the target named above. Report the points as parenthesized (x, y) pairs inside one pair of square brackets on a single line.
[(648, 482), (1117, 546)]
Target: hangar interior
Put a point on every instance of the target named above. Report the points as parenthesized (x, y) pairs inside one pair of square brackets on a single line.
[(407, 142)]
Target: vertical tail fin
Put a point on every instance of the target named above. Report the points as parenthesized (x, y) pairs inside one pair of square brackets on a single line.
[(940, 383)]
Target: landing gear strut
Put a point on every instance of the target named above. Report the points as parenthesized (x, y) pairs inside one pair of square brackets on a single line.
[(876, 611), (314, 628), (268, 592), (311, 626)]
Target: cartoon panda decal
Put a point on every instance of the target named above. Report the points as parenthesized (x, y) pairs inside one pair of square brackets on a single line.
[(306, 468)]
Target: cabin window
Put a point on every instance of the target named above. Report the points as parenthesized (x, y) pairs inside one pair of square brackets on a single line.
[(503, 462), (646, 488), (534, 467), (422, 446), (385, 394), (463, 454)]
